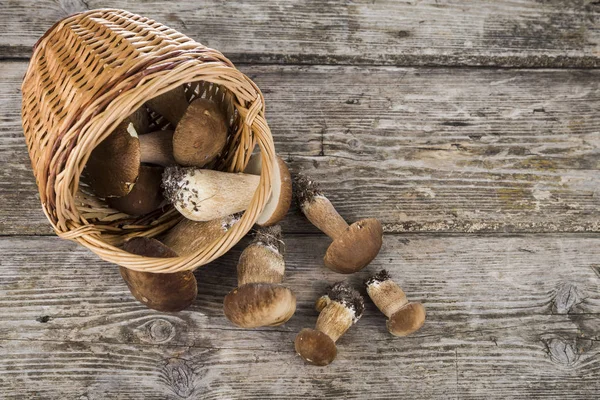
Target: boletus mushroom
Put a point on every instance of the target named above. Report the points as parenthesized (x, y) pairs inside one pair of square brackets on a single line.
[(188, 236), (281, 190), (163, 292), (404, 317), (339, 308), (203, 195), (200, 135), (354, 246), (146, 195), (114, 165), (200, 127), (260, 299), (171, 105)]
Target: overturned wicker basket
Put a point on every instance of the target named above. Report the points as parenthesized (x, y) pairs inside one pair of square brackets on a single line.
[(87, 74)]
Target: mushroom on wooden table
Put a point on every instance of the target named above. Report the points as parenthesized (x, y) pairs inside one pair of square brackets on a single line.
[(404, 317), (339, 308), (354, 246), (260, 299)]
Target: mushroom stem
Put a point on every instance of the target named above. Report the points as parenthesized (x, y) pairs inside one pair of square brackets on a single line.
[(387, 296), (203, 195), (188, 236), (321, 213), (334, 320), (171, 105), (262, 261), (157, 148)]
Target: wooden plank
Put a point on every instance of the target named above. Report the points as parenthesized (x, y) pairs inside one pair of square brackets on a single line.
[(455, 150), (524, 33), (508, 317)]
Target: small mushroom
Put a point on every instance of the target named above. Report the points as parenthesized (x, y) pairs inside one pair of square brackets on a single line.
[(171, 105), (339, 308), (404, 318), (260, 299), (204, 195), (200, 135), (188, 236), (146, 195), (281, 190), (163, 292), (113, 167), (354, 246)]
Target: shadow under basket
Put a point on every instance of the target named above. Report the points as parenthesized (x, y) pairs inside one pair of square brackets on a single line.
[(88, 73)]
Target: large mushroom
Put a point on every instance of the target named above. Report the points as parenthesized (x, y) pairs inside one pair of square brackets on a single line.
[(164, 292), (114, 165), (354, 246), (339, 308), (404, 317), (204, 195), (200, 127), (281, 190), (260, 299)]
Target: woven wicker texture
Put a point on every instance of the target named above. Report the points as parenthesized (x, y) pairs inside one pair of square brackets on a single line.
[(87, 74)]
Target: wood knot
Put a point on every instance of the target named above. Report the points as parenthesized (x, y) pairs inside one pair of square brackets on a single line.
[(562, 351), (156, 331), (179, 376), (566, 296)]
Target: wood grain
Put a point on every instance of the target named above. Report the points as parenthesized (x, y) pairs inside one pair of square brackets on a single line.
[(508, 316), (450, 150), (524, 33)]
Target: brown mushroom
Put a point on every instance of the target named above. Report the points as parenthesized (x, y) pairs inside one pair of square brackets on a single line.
[(339, 308), (204, 195), (146, 195), (404, 318), (164, 292), (354, 246), (281, 190), (260, 299), (172, 105), (113, 167), (200, 135), (188, 236)]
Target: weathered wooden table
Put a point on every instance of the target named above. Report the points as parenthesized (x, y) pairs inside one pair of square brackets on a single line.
[(470, 128)]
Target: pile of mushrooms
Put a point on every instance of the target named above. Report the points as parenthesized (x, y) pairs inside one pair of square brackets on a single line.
[(137, 172)]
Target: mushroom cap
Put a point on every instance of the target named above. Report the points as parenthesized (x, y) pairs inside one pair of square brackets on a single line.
[(281, 190), (146, 195), (113, 166), (407, 320), (163, 292), (200, 135), (356, 247), (259, 304), (315, 347)]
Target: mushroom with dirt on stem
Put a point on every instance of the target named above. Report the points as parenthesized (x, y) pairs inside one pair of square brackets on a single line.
[(260, 299), (404, 317), (204, 195), (281, 190), (354, 246), (170, 292), (339, 308), (145, 196)]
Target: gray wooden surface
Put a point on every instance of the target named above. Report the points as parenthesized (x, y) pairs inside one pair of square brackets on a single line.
[(485, 177)]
